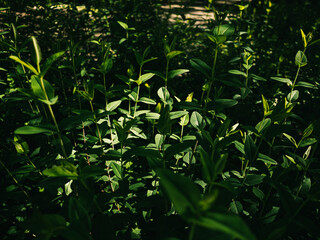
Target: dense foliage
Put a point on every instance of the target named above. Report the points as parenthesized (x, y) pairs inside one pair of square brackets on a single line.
[(117, 123)]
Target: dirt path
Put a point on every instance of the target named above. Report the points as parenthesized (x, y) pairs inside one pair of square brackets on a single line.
[(195, 12)]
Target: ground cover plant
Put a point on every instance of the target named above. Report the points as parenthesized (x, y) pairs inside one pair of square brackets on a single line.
[(119, 124)]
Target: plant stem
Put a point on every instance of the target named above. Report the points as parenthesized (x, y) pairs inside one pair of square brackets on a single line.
[(15, 180), (97, 126), (212, 75), (136, 102)]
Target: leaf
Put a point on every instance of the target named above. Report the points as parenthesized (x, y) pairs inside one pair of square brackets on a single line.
[(265, 106), (173, 73), (236, 207), (91, 171), (163, 94), (113, 105), (301, 59), (220, 104), (250, 149), (164, 123), (283, 80), (145, 77), (237, 72), (293, 96), (117, 169), (29, 130), (258, 193), (197, 121), (37, 51), (227, 223), (266, 159), (177, 114), (201, 66), (141, 152), (307, 142), (147, 101), (291, 139), (184, 120), (177, 148), (305, 84), (304, 40), (183, 193), (60, 171), (314, 42), (172, 54), (263, 125), (27, 65), (49, 61), (123, 25), (253, 179), (223, 30), (38, 90)]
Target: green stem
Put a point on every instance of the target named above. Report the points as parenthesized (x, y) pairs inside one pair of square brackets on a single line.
[(136, 102), (212, 75), (191, 233), (15, 180), (54, 120), (294, 83), (97, 126)]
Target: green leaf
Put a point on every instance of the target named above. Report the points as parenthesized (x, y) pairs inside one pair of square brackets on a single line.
[(263, 125), (266, 159), (201, 66), (78, 216), (106, 65), (220, 104), (113, 105), (291, 139), (49, 61), (305, 84), (117, 169), (145, 77), (172, 54), (91, 171), (307, 142), (177, 114), (197, 121), (236, 207), (37, 51), (147, 101), (258, 193), (27, 65), (227, 223), (29, 130), (38, 90), (123, 25), (265, 106), (250, 149), (61, 171), (223, 30), (173, 73), (163, 94), (237, 72), (301, 59), (164, 123), (141, 152), (304, 40), (183, 193), (283, 80), (314, 42), (177, 148), (293, 96), (184, 120), (253, 179)]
